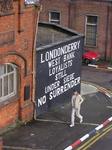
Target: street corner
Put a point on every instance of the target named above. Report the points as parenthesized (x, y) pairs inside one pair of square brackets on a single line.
[(89, 88), (94, 107)]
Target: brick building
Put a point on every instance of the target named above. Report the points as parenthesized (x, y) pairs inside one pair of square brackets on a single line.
[(93, 18), (17, 44)]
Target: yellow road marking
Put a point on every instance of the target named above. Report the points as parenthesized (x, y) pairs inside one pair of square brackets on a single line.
[(94, 138), (97, 139), (88, 141)]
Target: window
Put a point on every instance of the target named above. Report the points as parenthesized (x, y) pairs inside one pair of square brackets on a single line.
[(91, 30), (8, 81), (54, 17)]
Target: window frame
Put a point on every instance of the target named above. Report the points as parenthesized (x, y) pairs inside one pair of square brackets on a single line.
[(54, 20), (7, 74), (91, 24)]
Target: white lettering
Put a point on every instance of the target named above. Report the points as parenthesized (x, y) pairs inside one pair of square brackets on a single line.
[(41, 101), (52, 86), (68, 78), (41, 58), (60, 90), (49, 55), (54, 62), (60, 75), (68, 56), (60, 68)]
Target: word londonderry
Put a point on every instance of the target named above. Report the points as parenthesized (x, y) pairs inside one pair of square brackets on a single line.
[(49, 55)]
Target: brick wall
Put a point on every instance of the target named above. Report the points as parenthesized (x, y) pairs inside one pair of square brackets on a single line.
[(82, 9), (60, 6), (17, 32), (73, 15)]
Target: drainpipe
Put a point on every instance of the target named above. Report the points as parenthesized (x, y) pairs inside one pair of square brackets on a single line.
[(19, 16), (36, 19), (69, 13), (71, 3), (107, 32)]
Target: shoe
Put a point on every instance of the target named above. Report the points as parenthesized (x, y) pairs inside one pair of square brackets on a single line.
[(81, 120), (71, 125)]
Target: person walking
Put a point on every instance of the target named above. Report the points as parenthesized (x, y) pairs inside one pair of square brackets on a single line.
[(76, 102)]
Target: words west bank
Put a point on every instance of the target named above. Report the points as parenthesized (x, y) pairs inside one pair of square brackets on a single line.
[(58, 61)]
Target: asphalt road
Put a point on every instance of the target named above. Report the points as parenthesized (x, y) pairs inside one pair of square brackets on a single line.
[(104, 79), (104, 143), (51, 131), (97, 76)]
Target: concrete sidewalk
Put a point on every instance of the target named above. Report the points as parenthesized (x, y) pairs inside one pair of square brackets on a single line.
[(87, 88), (102, 65), (51, 130)]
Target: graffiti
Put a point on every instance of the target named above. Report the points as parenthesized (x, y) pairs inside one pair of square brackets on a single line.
[(57, 73)]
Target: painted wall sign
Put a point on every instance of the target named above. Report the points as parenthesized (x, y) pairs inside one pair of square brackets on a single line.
[(58, 70)]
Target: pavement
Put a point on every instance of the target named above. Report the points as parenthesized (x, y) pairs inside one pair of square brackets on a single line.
[(51, 130), (102, 65)]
